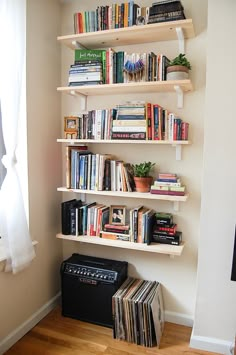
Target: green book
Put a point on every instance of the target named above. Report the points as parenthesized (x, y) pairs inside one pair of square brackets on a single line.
[(89, 54)]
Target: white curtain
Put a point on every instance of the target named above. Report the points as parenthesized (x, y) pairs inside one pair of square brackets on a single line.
[(13, 222)]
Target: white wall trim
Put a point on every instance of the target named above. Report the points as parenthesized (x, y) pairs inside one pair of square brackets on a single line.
[(20, 331), (179, 318), (211, 344)]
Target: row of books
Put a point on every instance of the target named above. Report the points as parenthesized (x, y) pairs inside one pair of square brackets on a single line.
[(96, 219), (168, 184), (97, 66), (127, 14), (144, 121), (107, 17), (138, 312), (88, 171)]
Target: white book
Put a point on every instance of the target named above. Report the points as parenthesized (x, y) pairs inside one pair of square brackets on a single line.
[(97, 172), (128, 129), (113, 176), (98, 124), (135, 123), (89, 172)]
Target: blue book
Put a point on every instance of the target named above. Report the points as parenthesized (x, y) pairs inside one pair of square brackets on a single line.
[(93, 172)]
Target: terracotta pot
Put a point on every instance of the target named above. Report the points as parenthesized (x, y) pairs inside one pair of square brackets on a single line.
[(177, 72), (143, 184)]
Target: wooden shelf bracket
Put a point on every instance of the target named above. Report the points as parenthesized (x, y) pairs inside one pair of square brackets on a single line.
[(180, 35), (180, 96)]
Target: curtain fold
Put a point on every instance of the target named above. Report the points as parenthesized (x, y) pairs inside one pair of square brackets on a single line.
[(13, 222)]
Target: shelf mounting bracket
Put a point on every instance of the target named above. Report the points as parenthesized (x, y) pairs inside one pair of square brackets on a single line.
[(180, 36), (178, 151), (180, 96), (176, 206), (77, 45), (83, 99)]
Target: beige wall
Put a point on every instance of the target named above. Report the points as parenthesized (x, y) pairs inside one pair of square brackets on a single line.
[(177, 275), (25, 293), (215, 315)]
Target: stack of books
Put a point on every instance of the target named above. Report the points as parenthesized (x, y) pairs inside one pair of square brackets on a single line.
[(165, 230), (138, 312), (130, 122), (168, 184), (87, 68), (166, 10), (115, 232)]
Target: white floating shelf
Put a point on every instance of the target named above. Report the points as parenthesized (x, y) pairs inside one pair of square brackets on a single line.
[(172, 250)]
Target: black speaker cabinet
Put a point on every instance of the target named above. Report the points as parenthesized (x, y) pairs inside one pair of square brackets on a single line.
[(88, 284)]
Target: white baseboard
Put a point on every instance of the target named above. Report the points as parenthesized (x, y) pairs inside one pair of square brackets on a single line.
[(19, 332), (211, 344), (179, 318)]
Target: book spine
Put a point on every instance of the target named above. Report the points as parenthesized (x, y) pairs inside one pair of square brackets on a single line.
[(129, 135)]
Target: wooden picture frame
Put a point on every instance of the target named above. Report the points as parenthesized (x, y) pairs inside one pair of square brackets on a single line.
[(71, 124), (117, 215)]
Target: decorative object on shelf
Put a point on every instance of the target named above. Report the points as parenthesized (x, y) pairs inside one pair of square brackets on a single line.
[(142, 178), (167, 10), (71, 127), (140, 21), (178, 68), (134, 69), (117, 215)]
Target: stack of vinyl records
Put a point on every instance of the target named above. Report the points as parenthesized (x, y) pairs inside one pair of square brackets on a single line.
[(138, 312), (166, 10)]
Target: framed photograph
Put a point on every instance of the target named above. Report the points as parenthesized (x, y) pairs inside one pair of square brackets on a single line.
[(117, 215), (71, 123)]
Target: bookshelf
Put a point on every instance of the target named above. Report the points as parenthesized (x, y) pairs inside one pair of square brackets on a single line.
[(171, 250), (176, 144), (164, 31), (178, 86), (134, 195), (174, 30), (127, 88)]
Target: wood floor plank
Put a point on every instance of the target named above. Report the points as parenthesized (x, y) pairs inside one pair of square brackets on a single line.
[(58, 335)]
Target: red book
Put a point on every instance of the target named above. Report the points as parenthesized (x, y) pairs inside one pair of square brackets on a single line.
[(173, 193)]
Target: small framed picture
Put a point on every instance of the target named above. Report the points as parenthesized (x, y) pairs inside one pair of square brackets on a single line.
[(117, 215), (71, 123)]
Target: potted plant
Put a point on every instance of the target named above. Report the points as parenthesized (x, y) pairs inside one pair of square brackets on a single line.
[(178, 68), (142, 178)]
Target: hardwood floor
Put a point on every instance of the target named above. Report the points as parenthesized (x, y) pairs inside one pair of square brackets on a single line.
[(57, 335)]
